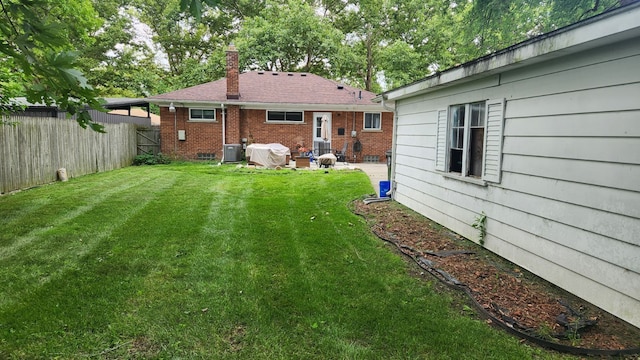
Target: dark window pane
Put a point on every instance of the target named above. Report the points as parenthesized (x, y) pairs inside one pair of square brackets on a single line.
[(275, 116), (209, 114), (476, 151), (455, 162), (372, 121), (294, 116), (196, 114)]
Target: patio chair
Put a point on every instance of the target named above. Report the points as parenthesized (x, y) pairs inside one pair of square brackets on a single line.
[(341, 155)]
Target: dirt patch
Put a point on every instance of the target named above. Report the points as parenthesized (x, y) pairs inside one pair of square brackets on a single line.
[(143, 347), (235, 338), (510, 294)]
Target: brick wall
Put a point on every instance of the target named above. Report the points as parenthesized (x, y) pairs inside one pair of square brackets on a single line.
[(233, 73), (374, 142), (233, 124), (252, 124), (201, 137)]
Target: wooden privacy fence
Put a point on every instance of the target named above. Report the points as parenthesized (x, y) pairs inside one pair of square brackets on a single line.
[(33, 149), (149, 140)]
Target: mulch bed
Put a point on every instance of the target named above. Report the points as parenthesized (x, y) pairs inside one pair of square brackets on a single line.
[(514, 296)]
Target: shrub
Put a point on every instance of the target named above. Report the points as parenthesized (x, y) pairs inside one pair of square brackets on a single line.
[(149, 159)]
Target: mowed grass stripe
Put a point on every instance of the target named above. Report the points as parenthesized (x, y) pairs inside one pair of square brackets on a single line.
[(286, 285), (197, 278), (47, 199), (233, 263), (61, 247), (121, 266), (59, 209)]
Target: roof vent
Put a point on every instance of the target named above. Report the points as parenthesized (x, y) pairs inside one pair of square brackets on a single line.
[(303, 74), (260, 72), (289, 74), (274, 74), (340, 86)]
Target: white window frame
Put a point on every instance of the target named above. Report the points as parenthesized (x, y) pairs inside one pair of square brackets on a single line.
[(492, 142), (214, 119), (364, 121), (285, 121)]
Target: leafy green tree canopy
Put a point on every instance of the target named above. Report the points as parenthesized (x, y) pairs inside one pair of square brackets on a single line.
[(289, 36), (35, 42)]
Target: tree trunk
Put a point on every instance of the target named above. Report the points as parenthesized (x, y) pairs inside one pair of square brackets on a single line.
[(369, 76)]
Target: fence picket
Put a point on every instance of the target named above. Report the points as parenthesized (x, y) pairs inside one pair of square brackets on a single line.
[(33, 149)]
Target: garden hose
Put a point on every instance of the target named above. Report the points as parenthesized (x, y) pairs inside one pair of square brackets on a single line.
[(510, 327)]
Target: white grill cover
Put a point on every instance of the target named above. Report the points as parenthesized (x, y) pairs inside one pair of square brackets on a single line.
[(268, 155)]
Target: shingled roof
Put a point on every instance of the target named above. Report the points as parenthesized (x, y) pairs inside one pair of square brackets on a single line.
[(274, 88)]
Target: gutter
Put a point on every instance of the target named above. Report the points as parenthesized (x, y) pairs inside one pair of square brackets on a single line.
[(269, 106)]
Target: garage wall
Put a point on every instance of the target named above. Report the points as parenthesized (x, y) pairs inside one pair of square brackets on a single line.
[(568, 204)]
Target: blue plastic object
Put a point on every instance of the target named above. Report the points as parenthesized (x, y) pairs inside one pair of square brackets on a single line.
[(385, 186)]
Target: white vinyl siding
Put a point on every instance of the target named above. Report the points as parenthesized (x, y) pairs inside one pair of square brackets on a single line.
[(561, 165)]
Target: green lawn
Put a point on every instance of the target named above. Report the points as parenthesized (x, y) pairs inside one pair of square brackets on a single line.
[(198, 261)]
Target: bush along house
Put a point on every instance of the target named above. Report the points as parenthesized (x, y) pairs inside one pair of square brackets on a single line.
[(203, 121)]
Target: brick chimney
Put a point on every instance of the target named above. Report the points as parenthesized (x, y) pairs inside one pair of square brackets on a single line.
[(233, 86)]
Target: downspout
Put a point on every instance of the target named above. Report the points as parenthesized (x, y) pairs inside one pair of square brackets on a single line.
[(224, 133), (393, 144)]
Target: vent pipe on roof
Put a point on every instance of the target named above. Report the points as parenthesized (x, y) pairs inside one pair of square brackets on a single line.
[(340, 86)]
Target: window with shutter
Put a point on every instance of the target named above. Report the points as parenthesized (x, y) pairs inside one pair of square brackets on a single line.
[(469, 140)]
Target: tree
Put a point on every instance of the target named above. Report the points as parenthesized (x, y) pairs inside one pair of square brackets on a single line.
[(289, 37), (422, 39), (402, 64), (366, 24), (565, 12), (186, 40), (495, 24), (39, 57), (35, 42)]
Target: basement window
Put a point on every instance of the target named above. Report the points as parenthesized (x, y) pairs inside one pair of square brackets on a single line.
[(285, 116), (202, 114)]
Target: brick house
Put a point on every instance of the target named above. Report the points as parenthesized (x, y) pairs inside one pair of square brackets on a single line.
[(272, 107)]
